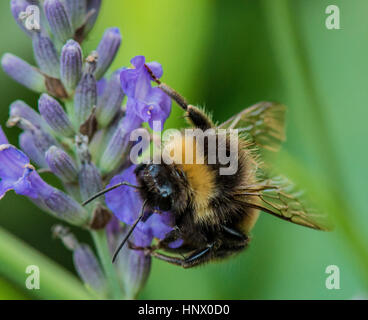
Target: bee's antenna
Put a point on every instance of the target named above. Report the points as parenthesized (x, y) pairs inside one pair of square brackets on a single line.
[(169, 91), (124, 183), (141, 214)]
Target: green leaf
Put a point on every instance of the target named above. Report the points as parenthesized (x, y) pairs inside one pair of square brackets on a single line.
[(55, 282)]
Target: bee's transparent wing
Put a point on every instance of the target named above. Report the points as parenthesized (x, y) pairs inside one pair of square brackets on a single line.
[(263, 123), (279, 197)]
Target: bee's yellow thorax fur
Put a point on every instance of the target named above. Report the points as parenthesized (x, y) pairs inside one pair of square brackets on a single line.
[(200, 177)]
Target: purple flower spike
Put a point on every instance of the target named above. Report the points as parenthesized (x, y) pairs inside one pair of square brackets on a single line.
[(150, 104), (76, 11), (61, 164), (86, 93), (71, 62), (18, 6), (55, 116), (23, 72), (16, 173), (46, 55), (59, 20), (110, 102), (89, 269), (107, 49)]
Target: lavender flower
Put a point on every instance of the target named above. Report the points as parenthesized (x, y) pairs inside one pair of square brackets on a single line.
[(18, 174), (81, 135), (150, 104)]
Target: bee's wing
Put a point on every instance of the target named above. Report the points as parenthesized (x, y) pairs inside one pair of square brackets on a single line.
[(279, 197), (264, 124)]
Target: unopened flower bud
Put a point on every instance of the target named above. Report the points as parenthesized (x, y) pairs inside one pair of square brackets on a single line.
[(86, 93), (61, 164), (23, 72), (58, 19), (41, 140), (90, 181), (55, 116), (107, 49), (46, 55), (17, 7), (71, 64), (76, 11), (110, 101), (22, 110), (27, 144), (93, 9), (133, 268), (89, 269)]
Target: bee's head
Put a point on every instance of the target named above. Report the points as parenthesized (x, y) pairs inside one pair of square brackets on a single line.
[(161, 185)]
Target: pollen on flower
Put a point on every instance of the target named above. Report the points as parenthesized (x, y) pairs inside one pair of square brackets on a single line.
[(4, 147), (29, 166), (92, 58)]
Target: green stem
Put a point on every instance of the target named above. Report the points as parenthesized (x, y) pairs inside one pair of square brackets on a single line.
[(55, 282), (100, 240)]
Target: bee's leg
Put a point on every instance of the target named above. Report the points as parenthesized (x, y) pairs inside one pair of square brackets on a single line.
[(170, 237), (196, 116), (198, 257), (166, 258), (234, 233)]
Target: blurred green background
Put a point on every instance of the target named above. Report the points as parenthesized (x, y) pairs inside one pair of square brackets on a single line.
[(227, 55)]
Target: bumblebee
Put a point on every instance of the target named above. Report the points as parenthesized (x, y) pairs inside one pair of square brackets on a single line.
[(215, 213)]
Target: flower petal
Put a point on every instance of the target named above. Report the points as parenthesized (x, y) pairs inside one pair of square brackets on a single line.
[(156, 68), (12, 162), (3, 138), (124, 201)]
